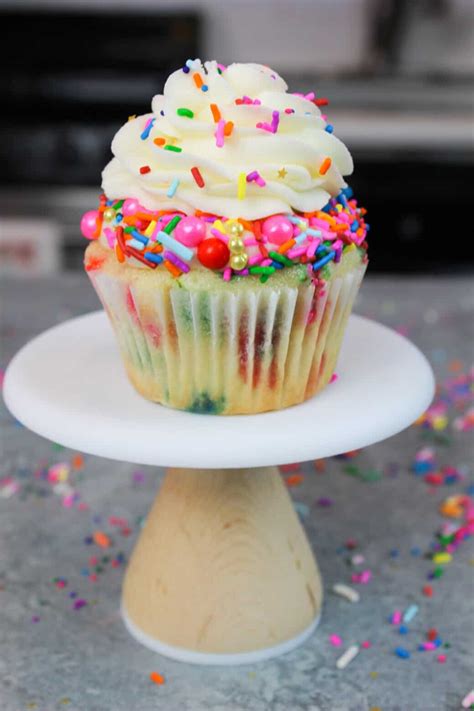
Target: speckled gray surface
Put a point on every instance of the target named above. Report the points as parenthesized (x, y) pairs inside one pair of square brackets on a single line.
[(83, 660)]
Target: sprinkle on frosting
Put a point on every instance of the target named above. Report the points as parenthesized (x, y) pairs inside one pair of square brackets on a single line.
[(197, 78), (325, 165), (241, 186), (220, 133), (265, 129), (173, 188), (215, 181), (196, 173), (185, 112), (216, 114), (147, 129)]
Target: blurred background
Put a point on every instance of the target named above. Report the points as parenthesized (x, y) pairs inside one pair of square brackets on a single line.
[(398, 73)]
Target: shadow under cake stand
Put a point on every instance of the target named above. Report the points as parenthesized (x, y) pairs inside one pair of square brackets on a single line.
[(222, 572)]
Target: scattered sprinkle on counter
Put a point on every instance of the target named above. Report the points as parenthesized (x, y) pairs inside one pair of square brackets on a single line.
[(157, 678)]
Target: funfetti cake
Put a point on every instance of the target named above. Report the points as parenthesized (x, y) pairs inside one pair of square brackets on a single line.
[(227, 248)]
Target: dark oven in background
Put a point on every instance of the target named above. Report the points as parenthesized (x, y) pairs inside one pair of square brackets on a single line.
[(74, 77)]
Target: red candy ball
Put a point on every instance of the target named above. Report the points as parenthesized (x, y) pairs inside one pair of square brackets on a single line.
[(213, 253)]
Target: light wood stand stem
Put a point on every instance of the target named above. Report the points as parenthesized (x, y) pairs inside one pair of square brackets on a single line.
[(222, 565)]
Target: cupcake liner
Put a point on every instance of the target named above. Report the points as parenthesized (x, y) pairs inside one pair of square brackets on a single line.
[(229, 351)]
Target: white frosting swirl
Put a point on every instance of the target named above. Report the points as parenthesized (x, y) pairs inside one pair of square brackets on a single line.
[(288, 160)]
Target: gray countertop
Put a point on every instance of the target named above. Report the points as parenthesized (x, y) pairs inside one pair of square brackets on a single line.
[(58, 653)]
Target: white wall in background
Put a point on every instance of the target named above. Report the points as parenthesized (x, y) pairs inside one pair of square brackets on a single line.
[(29, 247), (440, 42), (290, 35)]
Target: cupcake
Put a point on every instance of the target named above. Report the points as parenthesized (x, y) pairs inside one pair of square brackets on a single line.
[(227, 248)]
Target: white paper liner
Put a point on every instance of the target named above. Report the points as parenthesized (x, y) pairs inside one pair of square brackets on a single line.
[(229, 352)]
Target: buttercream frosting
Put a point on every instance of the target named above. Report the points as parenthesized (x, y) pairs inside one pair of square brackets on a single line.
[(155, 151)]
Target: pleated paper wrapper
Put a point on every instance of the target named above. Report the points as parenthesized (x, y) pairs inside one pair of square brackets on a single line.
[(230, 351)]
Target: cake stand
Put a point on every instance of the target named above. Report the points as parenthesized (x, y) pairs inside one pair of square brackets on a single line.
[(222, 572)]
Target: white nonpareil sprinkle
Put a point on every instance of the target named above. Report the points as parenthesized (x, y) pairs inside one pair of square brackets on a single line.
[(348, 656), (347, 592)]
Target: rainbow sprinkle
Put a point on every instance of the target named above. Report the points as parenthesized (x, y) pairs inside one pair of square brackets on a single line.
[(241, 186), (148, 126), (196, 173), (185, 112), (173, 188), (308, 240)]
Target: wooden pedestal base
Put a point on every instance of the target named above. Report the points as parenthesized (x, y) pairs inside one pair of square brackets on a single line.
[(222, 567)]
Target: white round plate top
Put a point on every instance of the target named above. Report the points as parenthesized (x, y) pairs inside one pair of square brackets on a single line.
[(69, 385)]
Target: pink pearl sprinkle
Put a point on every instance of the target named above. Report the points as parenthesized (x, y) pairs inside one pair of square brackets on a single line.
[(89, 224), (277, 229), (190, 231), (335, 640), (130, 207), (441, 658), (366, 644)]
